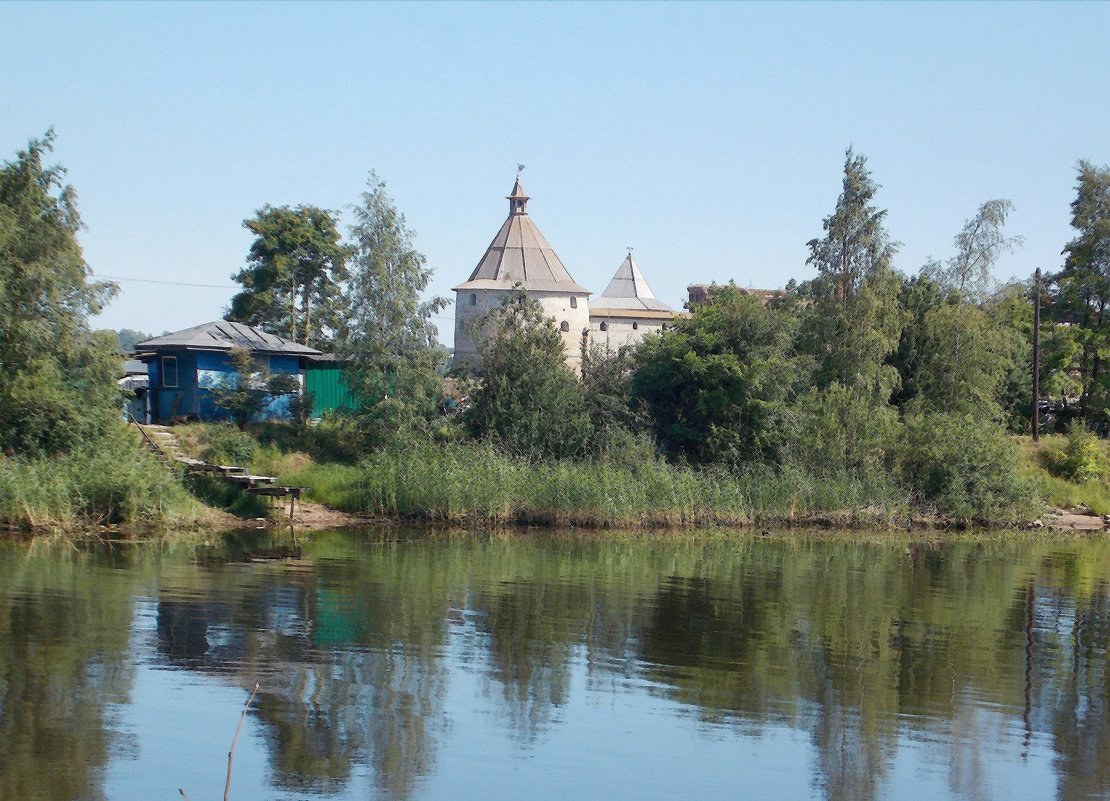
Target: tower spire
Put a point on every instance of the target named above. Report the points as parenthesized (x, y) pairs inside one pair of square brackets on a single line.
[(518, 200)]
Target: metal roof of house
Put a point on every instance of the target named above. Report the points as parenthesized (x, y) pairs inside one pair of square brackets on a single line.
[(222, 335), (629, 290), (519, 254)]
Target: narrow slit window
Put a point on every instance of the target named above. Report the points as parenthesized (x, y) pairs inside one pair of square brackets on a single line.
[(564, 326), (635, 326), (473, 299), (574, 303)]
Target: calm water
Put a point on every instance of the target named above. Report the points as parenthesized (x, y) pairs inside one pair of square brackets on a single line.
[(421, 666)]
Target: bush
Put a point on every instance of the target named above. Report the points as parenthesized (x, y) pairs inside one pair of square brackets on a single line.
[(964, 466), (1085, 456), (228, 445)]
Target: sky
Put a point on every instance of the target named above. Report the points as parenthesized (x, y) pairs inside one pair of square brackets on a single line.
[(709, 137)]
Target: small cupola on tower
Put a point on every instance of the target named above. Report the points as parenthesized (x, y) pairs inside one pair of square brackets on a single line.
[(518, 201)]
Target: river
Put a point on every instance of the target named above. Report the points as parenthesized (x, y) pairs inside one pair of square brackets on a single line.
[(553, 665)]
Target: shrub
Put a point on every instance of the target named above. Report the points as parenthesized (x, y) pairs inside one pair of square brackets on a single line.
[(1085, 456), (962, 465), (228, 445)]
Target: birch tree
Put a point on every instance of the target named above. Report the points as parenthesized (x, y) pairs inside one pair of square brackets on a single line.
[(389, 335)]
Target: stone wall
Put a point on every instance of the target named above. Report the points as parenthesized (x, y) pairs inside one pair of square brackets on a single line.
[(472, 305)]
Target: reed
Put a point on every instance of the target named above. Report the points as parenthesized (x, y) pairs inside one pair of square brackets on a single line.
[(478, 484), (111, 481)]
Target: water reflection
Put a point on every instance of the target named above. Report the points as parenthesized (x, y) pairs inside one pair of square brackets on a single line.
[(390, 660)]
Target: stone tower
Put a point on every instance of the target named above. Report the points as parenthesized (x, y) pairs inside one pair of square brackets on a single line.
[(627, 309), (519, 255)]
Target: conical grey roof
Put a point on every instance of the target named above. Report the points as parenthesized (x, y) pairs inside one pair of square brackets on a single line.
[(520, 254), (629, 290)]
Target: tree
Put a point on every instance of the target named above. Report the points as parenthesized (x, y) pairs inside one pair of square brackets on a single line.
[(251, 388), (528, 400), (918, 296), (388, 336), (59, 385), (718, 384), (853, 321), (965, 359), (979, 244), (295, 269), (962, 353), (128, 338), (619, 422), (855, 247), (1084, 288)]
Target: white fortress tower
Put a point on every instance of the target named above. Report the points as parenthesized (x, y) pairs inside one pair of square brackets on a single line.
[(519, 254), (627, 309)]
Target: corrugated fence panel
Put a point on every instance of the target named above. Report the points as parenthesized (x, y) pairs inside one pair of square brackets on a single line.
[(328, 389)]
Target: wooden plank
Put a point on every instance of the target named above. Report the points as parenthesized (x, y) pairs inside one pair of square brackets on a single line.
[(277, 492)]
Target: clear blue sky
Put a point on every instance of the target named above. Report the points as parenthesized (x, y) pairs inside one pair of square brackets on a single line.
[(710, 137)]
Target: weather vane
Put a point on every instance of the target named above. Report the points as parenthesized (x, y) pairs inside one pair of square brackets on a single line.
[(519, 169), (629, 249)]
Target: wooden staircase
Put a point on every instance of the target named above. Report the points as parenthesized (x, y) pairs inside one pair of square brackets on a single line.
[(163, 442)]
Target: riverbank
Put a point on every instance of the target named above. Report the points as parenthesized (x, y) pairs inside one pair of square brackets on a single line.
[(477, 486)]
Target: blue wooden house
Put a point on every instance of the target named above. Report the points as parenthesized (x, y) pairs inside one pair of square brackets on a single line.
[(184, 366)]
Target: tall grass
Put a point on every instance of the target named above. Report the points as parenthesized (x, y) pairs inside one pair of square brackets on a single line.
[(107, 482), (456, 483), (1046, 464)]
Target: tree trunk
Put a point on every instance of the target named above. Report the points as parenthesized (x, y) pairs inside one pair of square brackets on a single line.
[(293, 310)]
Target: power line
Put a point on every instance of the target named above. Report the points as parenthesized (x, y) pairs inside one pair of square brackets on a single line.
[(164, 283), (203, 286)]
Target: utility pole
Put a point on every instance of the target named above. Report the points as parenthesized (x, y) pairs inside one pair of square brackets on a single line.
[(1037, 355)]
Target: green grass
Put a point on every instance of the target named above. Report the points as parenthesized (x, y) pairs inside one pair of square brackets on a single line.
[(113, 481)]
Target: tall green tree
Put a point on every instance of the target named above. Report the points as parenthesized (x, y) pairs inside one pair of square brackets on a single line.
[(965, 354), (1084, 289), (292, 284), (58, 387), (528, 400), (854, 319), (389, 336)]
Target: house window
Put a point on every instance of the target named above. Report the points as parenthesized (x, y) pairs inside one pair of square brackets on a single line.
[(169, 371), (574, 303), (473, 299), (564, 326), (635, 325), (605, 326)]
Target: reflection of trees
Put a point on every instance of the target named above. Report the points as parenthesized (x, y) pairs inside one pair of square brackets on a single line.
[(64, 632), (346, 651), (530, 649), (353, 638)]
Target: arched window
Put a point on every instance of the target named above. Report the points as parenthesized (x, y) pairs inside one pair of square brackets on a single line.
[(473, 299), (605, 326), (635, 325), (574, 303), (564, 326)]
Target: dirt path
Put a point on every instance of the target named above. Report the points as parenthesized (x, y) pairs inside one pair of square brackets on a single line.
[(316, 515)]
